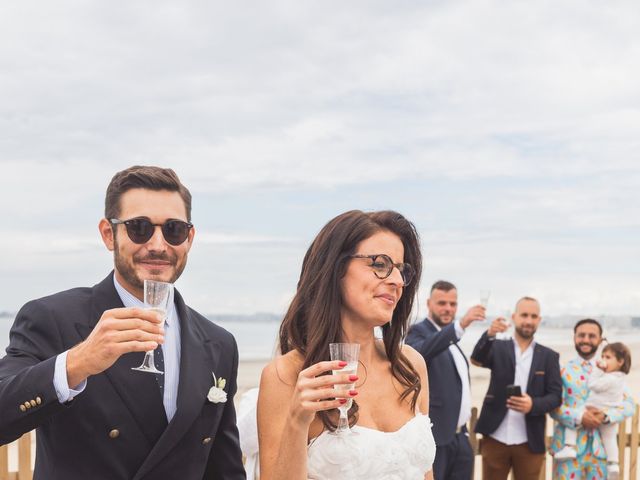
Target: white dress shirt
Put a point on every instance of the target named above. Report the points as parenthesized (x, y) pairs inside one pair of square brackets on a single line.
[(513, 429), (463, 372), (170, 350)]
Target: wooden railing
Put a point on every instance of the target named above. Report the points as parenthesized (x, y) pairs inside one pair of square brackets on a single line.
[(626, 441)]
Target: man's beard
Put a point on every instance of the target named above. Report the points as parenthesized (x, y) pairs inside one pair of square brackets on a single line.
[(126, 267), (438, 320), (589, 354), (526, 334)]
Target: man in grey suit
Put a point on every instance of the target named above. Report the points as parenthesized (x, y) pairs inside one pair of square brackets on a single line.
[(68, 369)]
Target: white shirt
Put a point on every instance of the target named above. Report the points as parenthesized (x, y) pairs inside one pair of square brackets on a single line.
[(170, 350), (463, 372), (513, 429)]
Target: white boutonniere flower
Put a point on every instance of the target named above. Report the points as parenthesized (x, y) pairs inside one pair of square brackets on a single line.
[(216, 393)]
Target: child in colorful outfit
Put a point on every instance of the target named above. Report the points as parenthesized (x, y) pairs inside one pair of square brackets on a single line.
[(606, 389)]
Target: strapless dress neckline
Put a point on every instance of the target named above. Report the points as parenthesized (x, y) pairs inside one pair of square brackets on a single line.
[(370, 454)]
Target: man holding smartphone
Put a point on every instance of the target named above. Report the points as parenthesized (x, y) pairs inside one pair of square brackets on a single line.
[(525, 384)]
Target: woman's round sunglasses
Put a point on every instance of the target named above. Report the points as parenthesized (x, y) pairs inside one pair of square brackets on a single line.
[(382, 266), (140, 230)]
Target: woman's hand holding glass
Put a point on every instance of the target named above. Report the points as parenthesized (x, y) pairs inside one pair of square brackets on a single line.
[(315, 392)]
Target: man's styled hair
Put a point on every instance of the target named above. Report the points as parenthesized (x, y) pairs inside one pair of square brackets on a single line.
[(622, 353), (443, 285), (148, 177), (587, 320)]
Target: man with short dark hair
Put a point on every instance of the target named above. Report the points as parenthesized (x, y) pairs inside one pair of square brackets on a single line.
[(591, 458), (68, 370), (525, 384), (436, 338)]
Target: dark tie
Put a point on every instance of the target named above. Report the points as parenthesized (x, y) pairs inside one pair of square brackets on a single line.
[(158, 358)]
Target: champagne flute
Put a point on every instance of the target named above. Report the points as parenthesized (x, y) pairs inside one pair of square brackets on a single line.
[(506, 335), (346, 352), (484, 297), (157, 296)]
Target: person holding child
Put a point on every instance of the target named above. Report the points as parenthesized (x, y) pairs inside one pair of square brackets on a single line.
[(606, 389), (593, 397)]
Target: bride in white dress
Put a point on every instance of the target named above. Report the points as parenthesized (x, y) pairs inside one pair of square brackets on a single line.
[(361, 272)]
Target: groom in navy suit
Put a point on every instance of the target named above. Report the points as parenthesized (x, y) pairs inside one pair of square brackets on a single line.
[(436, 338), (68, 369)]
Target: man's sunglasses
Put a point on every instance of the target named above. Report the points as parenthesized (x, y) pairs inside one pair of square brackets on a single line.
[(140, 230)]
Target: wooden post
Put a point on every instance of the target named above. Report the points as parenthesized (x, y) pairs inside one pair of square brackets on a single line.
[(4, 462), (622, 444), (634, 445), (473, 437), (24, 457)]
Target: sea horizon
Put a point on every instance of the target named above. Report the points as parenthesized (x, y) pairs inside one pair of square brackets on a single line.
[(256, 334)]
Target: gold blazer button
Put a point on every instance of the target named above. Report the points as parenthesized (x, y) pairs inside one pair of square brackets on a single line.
[(38, 400), (206, 440), (115, 433), (23, 408), (27, 405), (33, 403)]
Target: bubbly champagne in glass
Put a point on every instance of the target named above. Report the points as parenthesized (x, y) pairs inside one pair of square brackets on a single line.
[(349, 369), (346, 352)]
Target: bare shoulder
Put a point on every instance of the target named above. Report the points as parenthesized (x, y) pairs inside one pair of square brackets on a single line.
[(419, 364), (282, 371), (415, 358)]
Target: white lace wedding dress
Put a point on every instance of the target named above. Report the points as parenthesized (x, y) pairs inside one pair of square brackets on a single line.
[(406, 454)]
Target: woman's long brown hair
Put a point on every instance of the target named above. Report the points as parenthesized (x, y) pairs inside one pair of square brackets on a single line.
[(313, 318)]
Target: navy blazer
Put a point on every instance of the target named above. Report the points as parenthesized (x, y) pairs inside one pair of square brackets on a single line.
[(544, 386), (73, 440), (445, 386)]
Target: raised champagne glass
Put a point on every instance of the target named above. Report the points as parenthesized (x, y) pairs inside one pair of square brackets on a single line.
[(506, 335), (484, 297), (157, 296)]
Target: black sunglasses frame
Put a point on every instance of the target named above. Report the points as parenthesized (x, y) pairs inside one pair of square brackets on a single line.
[(402, 267), (164, 227)]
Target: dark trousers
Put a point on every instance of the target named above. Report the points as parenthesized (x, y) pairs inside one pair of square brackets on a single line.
[(498, 458), (454, 461)]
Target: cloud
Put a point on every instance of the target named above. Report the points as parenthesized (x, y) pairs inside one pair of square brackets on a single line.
[(210, 238), (508, 132), (244, 97)]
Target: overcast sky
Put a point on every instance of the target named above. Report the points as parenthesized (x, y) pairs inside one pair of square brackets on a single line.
[(508, 132)]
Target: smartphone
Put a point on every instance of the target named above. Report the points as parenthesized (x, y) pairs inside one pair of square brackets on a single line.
[(514, 390)]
